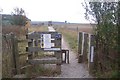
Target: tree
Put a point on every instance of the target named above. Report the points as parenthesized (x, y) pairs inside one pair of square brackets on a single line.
[(19, 17), (105, 14)]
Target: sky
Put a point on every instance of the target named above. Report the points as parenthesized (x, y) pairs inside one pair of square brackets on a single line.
[(48, 10)]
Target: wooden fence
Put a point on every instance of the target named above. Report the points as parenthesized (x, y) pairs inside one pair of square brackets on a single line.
[(86, 49), (36, 44), (10, 61), (97, 59)]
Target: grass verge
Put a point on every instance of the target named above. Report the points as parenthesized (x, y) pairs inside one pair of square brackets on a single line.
[(71, 37)]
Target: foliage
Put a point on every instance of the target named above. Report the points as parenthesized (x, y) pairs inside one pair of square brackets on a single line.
[(105, 14), (19, 17)]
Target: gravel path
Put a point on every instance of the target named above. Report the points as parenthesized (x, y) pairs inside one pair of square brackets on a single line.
[(73, 69)]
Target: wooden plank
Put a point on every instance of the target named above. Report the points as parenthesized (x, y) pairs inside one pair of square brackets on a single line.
[(17, 56), (37, 35), (45, 61), (36, 44), (80, 47), (89, 45), (68, 56), (91, 63), (85, 49), (33, 36), (13, 54), (66, 53), (37, 49), (30, 55), (58, 42), (83, 40)]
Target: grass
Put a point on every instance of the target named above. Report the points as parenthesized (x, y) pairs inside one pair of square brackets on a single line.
[(41, 70), (71, 37), (37, 28)]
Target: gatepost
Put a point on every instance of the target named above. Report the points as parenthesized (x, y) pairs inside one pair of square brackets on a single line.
[(92, 54)]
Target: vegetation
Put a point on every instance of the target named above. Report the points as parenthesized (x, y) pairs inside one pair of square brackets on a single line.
[(20, 32), (71, 37), (37, 28), (105, 14), (19, 17)]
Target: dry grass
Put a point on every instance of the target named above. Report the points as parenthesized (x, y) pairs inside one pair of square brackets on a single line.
[(42, 70), (71, 37), (19, 31), (71, 34), (87, 30), (37, 28)]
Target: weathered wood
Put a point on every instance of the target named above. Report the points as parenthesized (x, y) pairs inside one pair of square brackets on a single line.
[(36, 44), (92, 59), (58, 55), (45, 61), (85, 49), (30, 56), (89, 45), (58, 41), (66, 53), (37, 35), (38, 39), (83, 40), (36, 49), (79, 42), (68, 56), (80, 47), (15, 54)]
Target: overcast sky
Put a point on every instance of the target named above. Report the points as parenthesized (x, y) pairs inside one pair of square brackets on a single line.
[(45, 10)]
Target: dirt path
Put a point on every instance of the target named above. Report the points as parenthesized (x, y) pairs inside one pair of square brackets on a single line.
[(73, 69)]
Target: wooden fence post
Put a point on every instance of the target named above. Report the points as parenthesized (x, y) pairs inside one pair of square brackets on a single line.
[(15, 54), (79, 46), (91, 61), (85, 47), (89, 45), (36, 44), (58, 54), (30, 56)]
